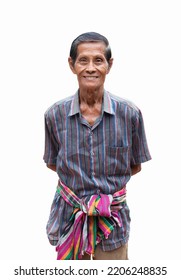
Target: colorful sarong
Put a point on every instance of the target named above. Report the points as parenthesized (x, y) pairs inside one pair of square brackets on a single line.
[(93, 219)]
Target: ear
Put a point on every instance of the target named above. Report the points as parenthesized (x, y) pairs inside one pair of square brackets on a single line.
[(71, 64), (110, 65)]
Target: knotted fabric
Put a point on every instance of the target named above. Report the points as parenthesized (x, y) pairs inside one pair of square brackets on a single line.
[(93, 219)]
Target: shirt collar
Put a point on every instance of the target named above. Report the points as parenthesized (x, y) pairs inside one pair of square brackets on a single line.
[(74, 108), (107, 104)]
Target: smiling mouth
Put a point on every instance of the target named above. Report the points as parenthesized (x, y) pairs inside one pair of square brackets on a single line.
[(90, 77)]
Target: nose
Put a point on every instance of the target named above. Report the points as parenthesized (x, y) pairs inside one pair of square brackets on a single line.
[(90, 67)]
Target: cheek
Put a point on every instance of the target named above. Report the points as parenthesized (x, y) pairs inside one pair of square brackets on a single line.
[(79, 70), (104, 69)]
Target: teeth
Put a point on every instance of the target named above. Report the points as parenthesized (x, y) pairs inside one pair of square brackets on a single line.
[(91, 78)]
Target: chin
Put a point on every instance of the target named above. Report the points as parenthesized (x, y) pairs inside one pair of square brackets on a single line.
[(91, 85)]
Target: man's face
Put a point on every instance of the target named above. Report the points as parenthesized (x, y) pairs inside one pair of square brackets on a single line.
[(91, 66)]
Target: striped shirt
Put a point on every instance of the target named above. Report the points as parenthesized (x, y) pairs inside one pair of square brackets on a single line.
[(93, 159)]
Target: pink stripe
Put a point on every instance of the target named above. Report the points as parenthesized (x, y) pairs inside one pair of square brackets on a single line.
[(104, 206), (65, 246)]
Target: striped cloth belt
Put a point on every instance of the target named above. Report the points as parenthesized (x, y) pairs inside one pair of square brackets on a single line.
[(92, 220)]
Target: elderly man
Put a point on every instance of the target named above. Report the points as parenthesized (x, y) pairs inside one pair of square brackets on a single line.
[(95, 141)]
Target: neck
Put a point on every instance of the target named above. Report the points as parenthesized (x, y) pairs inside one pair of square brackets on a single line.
[(90, 97)]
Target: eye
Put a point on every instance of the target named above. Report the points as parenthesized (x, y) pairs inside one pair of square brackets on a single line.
[(83, 60), (99, 60)]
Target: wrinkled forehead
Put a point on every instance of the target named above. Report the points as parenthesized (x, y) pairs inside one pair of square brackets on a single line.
[(91, 48)]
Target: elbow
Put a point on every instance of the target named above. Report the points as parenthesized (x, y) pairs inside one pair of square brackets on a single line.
[(52, 167), (135, 169), (139, 168)]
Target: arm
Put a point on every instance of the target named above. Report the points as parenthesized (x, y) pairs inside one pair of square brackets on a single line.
[(51, 145), (135, 169), (52, 167)]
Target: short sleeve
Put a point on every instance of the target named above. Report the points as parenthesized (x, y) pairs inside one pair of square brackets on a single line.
[(51, 145), (140, 151)]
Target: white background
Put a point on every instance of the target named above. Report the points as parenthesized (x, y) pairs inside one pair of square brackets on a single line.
[(145, 37)]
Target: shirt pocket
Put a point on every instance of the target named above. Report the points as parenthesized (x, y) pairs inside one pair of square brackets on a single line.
[(117, 160)]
